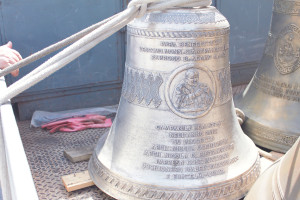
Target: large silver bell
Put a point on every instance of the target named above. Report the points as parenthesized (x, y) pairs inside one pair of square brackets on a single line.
[(176, 134), (281, 181), (271, 102)]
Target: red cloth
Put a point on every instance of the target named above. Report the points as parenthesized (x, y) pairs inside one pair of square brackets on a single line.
[(78, 123)]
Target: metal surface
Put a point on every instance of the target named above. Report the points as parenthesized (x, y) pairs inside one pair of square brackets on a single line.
[(176, 135), (271, 101), (47, 163), (281, 180)]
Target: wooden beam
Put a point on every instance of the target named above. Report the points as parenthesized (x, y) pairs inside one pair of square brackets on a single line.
[(77, 181), (79, 154)]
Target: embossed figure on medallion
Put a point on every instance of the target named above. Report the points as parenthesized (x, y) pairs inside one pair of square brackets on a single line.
[(191, 92), (287, 52), (191, 95), (287, 55)]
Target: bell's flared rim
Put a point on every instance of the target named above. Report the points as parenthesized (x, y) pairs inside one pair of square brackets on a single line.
[(123, 188)]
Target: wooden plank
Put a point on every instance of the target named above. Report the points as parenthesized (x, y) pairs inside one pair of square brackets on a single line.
[(77, 181), (83, 153), (79, 154)]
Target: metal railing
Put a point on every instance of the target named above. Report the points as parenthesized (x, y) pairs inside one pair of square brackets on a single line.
[(15, 176)]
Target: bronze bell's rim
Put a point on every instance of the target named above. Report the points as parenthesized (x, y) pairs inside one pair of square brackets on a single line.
[(265, 133), (121, 188), (264, 180), (100, 174), (255, 129)]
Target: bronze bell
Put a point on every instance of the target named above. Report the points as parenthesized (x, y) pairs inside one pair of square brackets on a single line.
[(281, 181), (176, 134), (271, 102)]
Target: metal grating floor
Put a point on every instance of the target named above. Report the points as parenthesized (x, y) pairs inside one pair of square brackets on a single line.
[(44, 152), (45, 156)]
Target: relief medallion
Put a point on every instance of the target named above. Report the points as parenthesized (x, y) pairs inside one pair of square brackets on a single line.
[(190, 91), (287, 50)]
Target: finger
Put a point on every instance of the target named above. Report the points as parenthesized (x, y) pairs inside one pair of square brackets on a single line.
[(9, 45), (4, 50), (5, 62), (3, 47), (15, 73), (12, 57), (7, 52), (17, 54)]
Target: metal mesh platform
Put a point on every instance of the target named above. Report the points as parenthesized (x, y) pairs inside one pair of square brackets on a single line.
[(45, 156), (44, 152)]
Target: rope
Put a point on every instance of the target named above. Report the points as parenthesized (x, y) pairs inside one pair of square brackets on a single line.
[(52, 48), (85, 40), (240, 115), (266, 154)]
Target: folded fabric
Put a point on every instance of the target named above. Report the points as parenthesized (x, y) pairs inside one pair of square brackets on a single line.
[(78, 123)]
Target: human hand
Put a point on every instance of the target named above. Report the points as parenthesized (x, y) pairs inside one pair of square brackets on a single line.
[(9, 56)]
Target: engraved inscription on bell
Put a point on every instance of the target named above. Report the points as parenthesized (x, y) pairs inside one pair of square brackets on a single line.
[(193, 152), (279, 89)]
